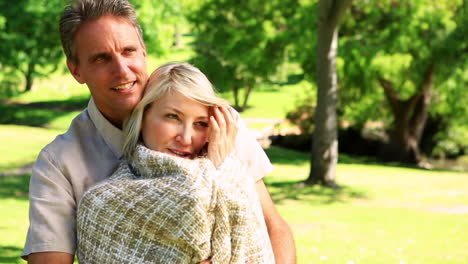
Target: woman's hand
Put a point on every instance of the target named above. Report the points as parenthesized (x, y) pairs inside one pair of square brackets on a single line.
[(222, 134)]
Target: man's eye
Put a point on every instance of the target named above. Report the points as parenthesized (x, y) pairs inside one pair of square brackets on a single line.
[(130, 50), (99, 58)]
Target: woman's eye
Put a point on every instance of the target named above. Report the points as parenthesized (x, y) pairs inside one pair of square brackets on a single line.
[(172, 116), (202, 124)]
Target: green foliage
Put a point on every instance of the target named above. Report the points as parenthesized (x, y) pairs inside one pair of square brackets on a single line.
[(302, 115), (30, 41), (397, 41), (160, 22), (302, 30), (240, 45)]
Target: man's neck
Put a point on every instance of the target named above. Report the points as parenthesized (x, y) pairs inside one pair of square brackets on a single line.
[(116, 119)]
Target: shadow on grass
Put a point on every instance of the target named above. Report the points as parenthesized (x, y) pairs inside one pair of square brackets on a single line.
[(285, 156), (39, 114), (293, 79), (10, 254), (16, 187), (292, 157), (295, 190)]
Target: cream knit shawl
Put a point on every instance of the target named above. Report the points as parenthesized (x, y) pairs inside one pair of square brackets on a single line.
[(165, 209)]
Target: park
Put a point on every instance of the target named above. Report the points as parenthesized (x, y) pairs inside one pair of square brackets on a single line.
[(369, 146)]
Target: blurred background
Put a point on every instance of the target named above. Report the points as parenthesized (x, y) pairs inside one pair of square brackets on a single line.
[(383, 84)]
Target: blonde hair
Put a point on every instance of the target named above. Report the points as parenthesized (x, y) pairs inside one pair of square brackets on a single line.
[(169, 78)]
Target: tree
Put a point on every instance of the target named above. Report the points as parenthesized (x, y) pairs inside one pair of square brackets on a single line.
[(240, 45), (401, 47), (325, 142), (30, 39), (160, 20)]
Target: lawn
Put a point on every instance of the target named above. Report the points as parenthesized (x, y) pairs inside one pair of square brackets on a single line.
[(382, 214)]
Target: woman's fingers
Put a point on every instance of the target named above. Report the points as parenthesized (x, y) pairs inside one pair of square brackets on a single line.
[(220, 119), (222, 134), (233, 118)]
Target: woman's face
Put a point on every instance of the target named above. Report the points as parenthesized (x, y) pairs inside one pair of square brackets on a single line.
[(176, 125)]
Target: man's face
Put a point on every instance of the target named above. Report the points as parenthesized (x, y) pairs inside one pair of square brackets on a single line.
[(112, 62)]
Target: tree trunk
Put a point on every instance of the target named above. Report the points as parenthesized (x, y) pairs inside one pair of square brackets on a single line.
[(235, 92), (248, 90), (325, 141), (29, 77), (410, 118)]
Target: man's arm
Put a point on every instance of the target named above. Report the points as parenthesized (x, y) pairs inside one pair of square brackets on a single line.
[(51, 212), (280, 234), (50, 258)]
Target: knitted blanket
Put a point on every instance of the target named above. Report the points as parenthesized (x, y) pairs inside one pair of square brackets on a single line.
[(159, 208)]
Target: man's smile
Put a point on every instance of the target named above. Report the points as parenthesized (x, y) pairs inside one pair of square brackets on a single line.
[(124, 86)]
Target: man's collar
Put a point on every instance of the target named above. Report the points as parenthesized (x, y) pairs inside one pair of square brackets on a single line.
[(112, 135)]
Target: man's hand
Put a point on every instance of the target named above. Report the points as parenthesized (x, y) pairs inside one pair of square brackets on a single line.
[(222, 134)]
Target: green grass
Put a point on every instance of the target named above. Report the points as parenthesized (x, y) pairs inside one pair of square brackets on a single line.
[(382, 214), (21, 144), (14, 221), (273, 101)]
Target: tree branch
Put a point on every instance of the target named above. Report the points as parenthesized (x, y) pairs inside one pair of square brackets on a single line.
[(424, 85), (335, 10), (392, 97)]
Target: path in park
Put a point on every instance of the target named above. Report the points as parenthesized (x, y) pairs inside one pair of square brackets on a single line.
[(262, 134)]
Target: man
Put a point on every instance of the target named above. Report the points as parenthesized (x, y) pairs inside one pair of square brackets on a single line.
[(103, 43)]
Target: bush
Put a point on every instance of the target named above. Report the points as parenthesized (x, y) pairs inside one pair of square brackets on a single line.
[(303, 116)]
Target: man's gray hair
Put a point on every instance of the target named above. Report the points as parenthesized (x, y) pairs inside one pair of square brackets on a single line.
[(81, 11)]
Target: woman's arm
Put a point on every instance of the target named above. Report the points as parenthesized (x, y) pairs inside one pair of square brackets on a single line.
[(280, 234)]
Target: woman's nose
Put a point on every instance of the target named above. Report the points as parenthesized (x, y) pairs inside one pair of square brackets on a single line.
[(185, 136)]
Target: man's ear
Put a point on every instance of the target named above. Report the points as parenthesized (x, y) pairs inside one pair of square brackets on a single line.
[(73, 68)]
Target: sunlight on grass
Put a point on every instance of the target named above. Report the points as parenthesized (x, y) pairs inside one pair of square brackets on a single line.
[(13, 227), (382, 214), (21, 145), (271, 102)]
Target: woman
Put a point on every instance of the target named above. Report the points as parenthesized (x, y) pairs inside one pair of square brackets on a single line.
[(183, 194)]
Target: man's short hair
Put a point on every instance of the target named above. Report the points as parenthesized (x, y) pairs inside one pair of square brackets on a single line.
[(81, 11)]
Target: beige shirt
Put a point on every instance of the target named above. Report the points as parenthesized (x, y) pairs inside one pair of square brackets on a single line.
[(89, 152)]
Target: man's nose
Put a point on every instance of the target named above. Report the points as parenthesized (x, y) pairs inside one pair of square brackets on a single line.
[(120, 66)]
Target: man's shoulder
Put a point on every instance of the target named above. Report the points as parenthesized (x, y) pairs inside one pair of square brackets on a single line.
[(79, 132)]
